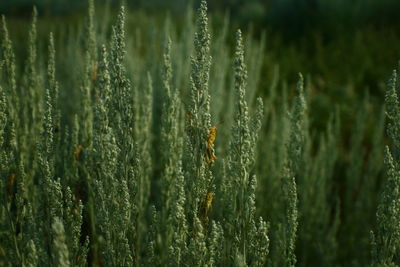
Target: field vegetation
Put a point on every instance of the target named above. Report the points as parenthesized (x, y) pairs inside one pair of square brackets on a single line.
[(129, 140)]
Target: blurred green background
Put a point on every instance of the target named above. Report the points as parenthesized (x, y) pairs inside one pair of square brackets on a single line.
[(345, 48), (339, 42), (291, 17)]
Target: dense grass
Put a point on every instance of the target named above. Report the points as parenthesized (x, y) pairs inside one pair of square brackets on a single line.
[(188, 144)]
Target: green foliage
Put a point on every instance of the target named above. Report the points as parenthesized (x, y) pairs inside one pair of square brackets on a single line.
[(386, 239), (152, 147)]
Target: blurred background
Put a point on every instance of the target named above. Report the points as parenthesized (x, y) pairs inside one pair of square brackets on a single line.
[(347, 41), (345, 48)]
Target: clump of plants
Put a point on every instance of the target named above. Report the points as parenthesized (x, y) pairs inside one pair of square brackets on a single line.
[(132, 147)]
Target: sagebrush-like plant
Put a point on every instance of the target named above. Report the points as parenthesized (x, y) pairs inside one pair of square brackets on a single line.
[(386, 239), (155, 146)]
